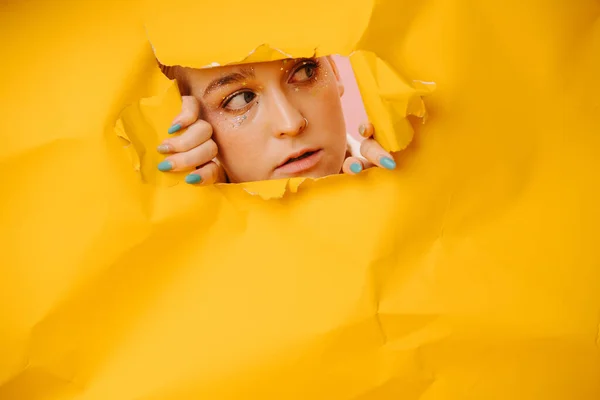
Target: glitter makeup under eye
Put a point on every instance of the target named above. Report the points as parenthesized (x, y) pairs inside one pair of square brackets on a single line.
[(237, 121)]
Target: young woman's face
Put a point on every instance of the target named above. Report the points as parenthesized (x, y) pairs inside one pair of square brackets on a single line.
[(273, 120)]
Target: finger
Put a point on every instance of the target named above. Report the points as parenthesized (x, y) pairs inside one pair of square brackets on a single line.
[(353, 165), (198, 133), (373, 152), (205, 175), (190, 111), (366, 130), (188, 160)]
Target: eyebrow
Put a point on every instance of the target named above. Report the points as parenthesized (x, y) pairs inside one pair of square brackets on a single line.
[(234, 77)]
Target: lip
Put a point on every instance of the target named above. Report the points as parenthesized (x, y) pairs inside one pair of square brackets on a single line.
[(299, 166)]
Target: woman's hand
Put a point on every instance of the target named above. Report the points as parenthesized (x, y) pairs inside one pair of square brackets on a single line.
[(370, 154), (193, 150)]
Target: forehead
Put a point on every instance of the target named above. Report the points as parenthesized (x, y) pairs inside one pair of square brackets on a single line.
[(251, 70)]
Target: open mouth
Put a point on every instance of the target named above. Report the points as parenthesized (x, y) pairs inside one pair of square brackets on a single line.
[(301, 163), (303, 156)]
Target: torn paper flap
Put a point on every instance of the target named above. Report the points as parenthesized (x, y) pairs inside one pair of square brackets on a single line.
[(198, 33)]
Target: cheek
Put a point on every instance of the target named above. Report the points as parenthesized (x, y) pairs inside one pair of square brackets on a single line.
[(231, 143), (228, 132), (240, 149), (324, 109), (328, 117)]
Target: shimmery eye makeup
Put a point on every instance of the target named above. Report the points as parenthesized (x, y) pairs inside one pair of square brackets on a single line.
[(239, 120), (310, 67), (237, 97), (299, 73)]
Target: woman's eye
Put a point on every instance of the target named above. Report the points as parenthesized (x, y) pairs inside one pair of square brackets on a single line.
[(240, 100), (304, 73)]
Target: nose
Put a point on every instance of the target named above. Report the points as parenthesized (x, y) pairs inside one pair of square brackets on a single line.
[(286, 119)]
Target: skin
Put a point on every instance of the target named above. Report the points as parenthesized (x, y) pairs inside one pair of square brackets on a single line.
[(245, 121)]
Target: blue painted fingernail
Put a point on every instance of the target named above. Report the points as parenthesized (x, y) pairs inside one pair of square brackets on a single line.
[(193, 178), (174, 128), (387, 163), (165, 166), (355, 168)]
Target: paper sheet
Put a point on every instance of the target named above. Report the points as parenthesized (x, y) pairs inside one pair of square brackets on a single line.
[(471, 272)]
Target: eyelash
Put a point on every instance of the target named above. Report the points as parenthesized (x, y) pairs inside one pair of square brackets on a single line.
[(232, 96), (312, 62), (303, 63)]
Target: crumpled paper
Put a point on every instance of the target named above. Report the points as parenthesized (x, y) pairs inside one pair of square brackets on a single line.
[(470, 272)]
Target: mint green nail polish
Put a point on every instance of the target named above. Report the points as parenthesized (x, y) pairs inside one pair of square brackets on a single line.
[(355, 168), (174, 128), (387, 163), (165, 166), (193, 178), (361, 130)]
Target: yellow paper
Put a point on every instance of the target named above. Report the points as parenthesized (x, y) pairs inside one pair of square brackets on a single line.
[(471, 272)]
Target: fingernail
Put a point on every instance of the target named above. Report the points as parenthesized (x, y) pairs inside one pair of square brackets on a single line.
[(193, 178), (165, 148), (165, 166), (361, 130), (355, 168), (387, 162), (174, 128)]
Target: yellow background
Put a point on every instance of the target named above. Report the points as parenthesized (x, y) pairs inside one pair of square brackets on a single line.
[(471, 272)]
